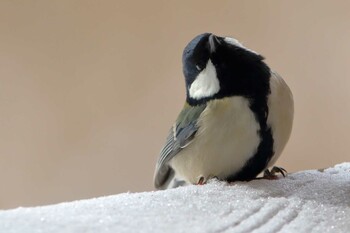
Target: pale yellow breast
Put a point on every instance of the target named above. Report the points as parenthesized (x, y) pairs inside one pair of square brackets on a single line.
[(226, 139), (281, 112)]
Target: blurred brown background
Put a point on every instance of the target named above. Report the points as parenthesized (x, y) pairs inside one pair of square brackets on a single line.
[(88, 89)]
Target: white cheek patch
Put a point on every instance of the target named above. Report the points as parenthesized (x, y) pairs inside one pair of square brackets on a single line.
[(206, 84), (235, 42)]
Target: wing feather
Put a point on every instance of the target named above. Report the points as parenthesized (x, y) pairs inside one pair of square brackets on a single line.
[(180, 136)]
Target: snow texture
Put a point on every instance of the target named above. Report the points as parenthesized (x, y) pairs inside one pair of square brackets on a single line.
[(308, 201)]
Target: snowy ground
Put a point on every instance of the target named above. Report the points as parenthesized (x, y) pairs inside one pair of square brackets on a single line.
[(309, 201)]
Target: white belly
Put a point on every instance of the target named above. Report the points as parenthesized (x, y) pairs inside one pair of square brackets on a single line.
[(227, 138)]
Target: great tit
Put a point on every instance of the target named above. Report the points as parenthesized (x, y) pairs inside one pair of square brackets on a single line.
[(236, 120)]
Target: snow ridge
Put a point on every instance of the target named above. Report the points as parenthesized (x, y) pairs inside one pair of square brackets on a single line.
[(308, 201)]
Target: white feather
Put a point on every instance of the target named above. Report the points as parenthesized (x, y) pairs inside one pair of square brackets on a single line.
[(212, 43), (206, 83), (235, 42)]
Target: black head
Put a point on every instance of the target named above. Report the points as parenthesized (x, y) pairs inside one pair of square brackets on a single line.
[(217, 67)]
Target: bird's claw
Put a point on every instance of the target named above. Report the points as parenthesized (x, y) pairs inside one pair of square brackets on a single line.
[(201, 181), (271, 175)]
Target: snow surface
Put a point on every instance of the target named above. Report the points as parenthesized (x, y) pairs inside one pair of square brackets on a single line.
[(308, 201)]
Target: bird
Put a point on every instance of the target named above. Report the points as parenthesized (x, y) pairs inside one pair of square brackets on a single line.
[(236, 120)]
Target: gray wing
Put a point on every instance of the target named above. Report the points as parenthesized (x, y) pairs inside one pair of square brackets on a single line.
[(180, 135)]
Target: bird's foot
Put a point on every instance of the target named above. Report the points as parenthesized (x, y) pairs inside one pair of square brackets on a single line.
[(271, 175), (201, 181)]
